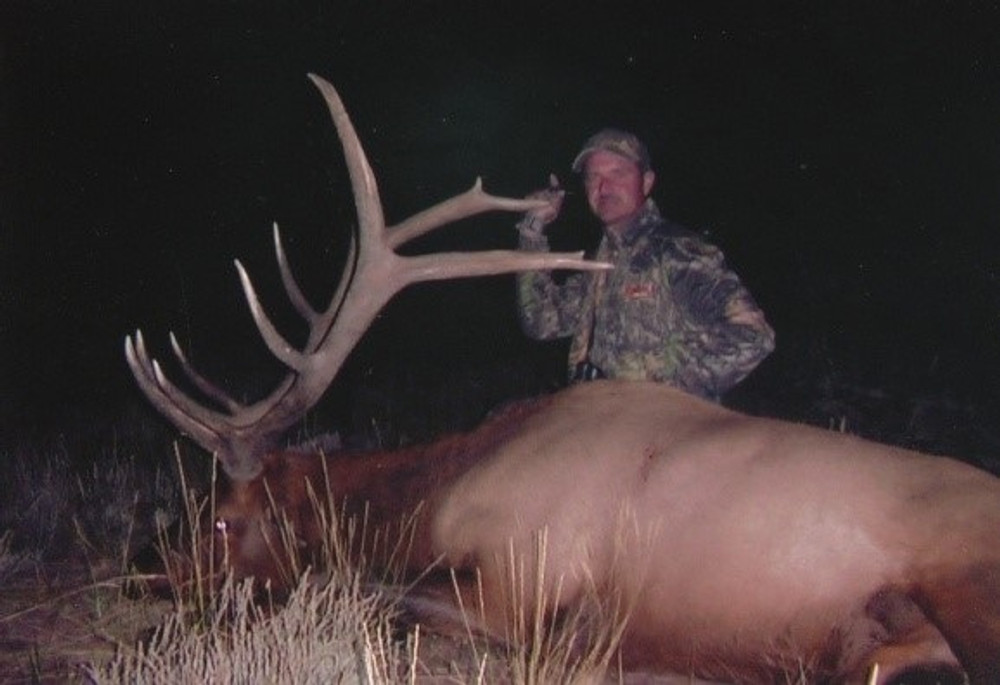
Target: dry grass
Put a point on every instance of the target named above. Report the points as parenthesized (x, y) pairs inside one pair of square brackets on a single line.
[(64, 615), (336, 633)]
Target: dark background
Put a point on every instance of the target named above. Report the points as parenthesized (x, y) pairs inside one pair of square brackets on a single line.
[(845, 156)]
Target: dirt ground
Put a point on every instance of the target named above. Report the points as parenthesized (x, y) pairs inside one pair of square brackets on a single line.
[(56, 619)]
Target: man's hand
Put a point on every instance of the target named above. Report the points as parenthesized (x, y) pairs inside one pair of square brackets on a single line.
[(537, 219)]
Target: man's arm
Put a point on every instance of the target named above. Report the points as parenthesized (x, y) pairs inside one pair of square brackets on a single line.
[(547, 309), (729, 335)]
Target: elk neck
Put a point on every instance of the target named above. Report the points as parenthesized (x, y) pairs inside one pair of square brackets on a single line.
[(384, 486)]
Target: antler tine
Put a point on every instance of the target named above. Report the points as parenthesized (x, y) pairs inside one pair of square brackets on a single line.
[(165, 397), (237, 440), (371, 220), (449, 265), (280, 348), (295, 295), (319, 322), (206, 386), (323, 324), (473, 201)]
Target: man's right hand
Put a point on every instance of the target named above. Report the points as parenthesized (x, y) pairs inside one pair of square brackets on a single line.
[(537, 219)]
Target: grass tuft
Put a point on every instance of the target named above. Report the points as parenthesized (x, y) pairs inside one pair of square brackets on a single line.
[(333, 633)]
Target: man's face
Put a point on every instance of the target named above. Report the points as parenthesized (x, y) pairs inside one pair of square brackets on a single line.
[(616, 188)]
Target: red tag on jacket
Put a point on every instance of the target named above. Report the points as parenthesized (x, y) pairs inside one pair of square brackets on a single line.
[(638, 291)]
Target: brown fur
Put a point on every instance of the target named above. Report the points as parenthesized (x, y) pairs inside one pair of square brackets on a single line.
[(742, 548)]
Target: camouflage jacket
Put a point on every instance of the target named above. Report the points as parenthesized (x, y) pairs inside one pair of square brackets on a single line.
[(669, 311)]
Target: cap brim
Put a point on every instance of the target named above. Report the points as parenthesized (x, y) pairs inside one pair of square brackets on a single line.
[(581, 158)]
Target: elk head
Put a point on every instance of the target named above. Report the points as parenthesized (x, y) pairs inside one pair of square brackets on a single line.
[(242, 435)]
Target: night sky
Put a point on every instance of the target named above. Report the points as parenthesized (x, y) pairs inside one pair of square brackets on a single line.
[(844, 155)]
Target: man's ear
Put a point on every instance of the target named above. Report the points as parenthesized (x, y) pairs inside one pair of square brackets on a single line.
[(648, 179)]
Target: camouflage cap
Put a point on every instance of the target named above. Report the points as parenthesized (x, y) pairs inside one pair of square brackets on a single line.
[(617, 141)]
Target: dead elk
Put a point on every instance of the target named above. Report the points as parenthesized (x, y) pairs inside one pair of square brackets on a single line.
[(745, 549)]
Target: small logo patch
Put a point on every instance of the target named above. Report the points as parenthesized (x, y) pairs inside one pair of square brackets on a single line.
[(638, 291)]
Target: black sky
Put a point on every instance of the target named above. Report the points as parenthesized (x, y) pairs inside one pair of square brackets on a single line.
[(846, 156)]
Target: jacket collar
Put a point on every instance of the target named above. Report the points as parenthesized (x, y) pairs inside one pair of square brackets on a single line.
[(647, 220)]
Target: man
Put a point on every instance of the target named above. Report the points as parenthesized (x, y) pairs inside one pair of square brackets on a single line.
[(670, 310)]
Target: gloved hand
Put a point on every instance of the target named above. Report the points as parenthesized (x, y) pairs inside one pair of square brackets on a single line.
[(536, 220)]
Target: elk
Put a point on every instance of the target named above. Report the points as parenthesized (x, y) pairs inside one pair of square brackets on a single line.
[(743, 548)]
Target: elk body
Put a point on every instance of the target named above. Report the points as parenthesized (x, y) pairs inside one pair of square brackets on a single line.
[(739, 548)]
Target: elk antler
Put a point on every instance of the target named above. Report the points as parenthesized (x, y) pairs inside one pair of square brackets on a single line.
[(240, 434)]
